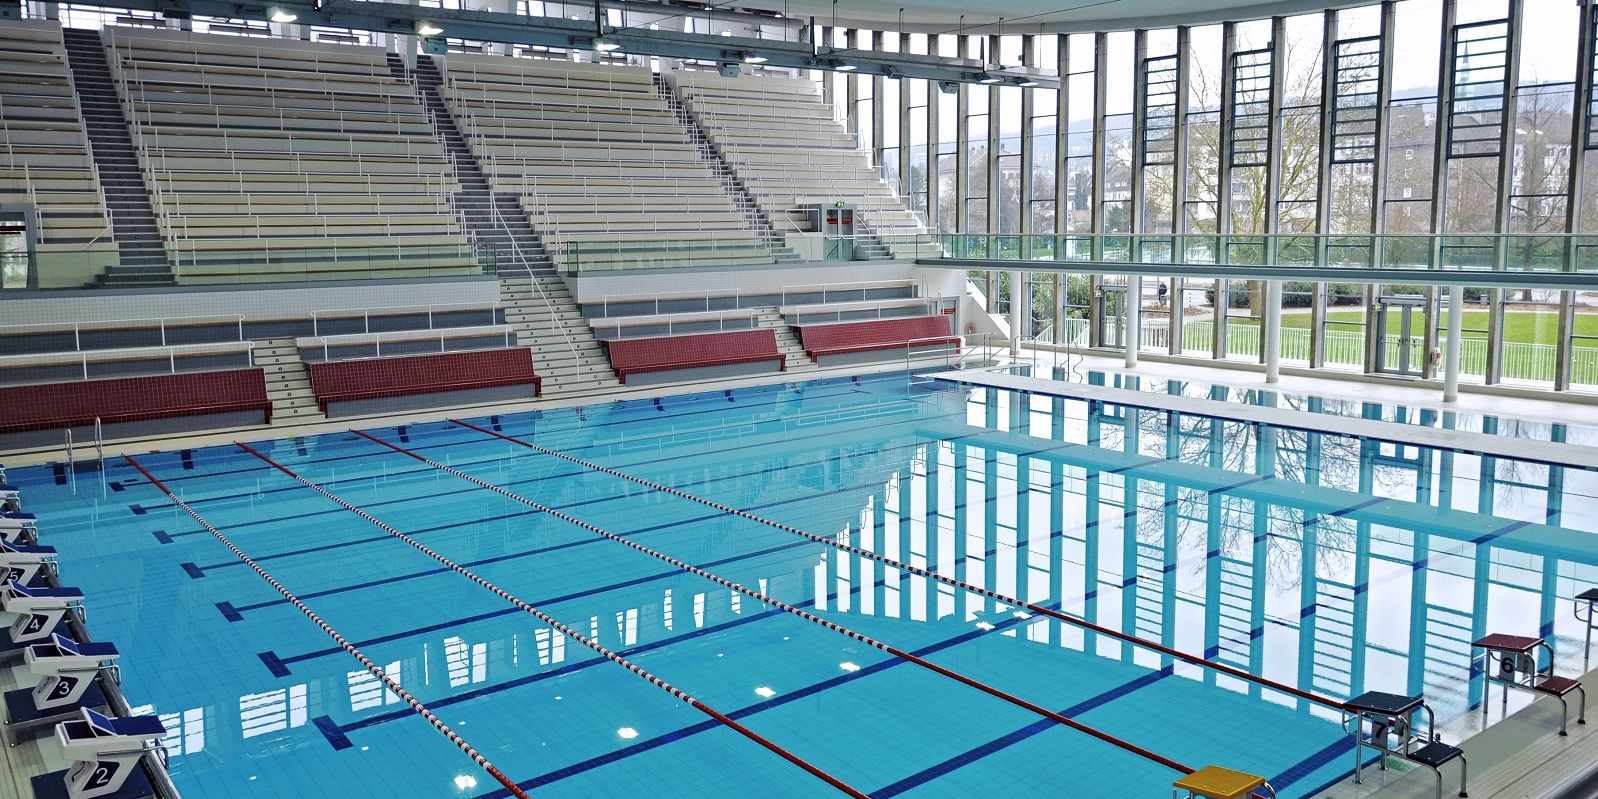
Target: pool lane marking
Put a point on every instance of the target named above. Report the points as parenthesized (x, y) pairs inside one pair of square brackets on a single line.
[(837, 628), (575, 636), (334, 634), (1083, 623)]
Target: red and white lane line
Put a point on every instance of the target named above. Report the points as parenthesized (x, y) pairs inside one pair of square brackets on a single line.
[(837, 628), (1050, 612), (348, 647), (563, 629)]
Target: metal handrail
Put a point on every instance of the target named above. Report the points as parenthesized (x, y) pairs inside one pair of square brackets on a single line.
[(85, 357), (77, 328), (621, 323), (367, 313), (532, 281), (507, 333), (656, 297)]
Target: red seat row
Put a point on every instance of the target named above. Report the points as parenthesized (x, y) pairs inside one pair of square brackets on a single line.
[(381, 378), (50, 406), (877, 334), (634, 356)]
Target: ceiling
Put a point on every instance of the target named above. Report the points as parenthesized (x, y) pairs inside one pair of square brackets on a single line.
[(1035, 16)]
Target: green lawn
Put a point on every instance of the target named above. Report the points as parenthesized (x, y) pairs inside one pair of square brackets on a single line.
[(1527, 327)]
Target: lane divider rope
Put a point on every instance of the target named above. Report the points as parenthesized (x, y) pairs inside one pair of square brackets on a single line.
[(377, 672), (837, 628), (563, 629), (1046, 611)]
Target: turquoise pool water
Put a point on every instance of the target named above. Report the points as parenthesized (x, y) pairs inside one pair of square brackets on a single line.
[(1328, 564)]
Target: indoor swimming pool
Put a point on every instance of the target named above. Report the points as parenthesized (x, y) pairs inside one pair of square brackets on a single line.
[(1323, 565)]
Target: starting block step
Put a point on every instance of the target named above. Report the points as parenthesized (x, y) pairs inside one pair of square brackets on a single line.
[(25, 722), (11, 650), (54, 786)]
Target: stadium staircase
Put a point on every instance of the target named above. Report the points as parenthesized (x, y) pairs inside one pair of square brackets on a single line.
[(143, 259), (288, 381), (787, 341), (740, 196), (537, 302)]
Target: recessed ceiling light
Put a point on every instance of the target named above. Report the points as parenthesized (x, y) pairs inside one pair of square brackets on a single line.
[(754, 59), (846, 67), (989, 79), (429, 29), (284, 17), (605, 47)]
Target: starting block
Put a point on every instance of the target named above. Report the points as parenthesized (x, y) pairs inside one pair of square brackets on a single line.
[(39, 610), (20, 527), (105, 754), (1214, 782), (67, 672), (1511, 661), (20, 563), (10, 498), (1390, 721)]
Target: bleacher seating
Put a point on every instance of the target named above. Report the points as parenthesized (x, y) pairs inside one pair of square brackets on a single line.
[(670, 353), (877, 337), (50, 406), (44, 155), (599, 161), (294, 147), (784, 145), (340, 382)]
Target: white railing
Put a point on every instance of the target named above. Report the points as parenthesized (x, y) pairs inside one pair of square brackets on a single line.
[(918, 285), (657, 297), (692, 322), (85, 357), (366, 314), (162, 323), (506, 333), (532, 282)]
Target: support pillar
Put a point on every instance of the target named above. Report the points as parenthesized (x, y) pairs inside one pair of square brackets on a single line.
[(1134, 317), (1271, 331), (1456, 324), (1018, 310)]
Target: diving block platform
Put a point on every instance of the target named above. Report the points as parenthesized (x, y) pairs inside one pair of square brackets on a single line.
[(1511, 661), (1387, 723), (1546, 452), (67, 684), (20, 527), (1214, 782), (20, 563), (39, 612), (105, 752), (10, 498)]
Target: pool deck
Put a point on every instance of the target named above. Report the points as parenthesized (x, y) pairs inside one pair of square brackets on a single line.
[(1518, 757), (1547, 452)]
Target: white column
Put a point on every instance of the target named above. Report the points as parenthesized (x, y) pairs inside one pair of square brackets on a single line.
[(1018, 311), (1134, 317), (1271, 331), (1456, 323)]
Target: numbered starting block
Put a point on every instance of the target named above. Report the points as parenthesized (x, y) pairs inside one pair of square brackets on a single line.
[(20, 527), (39, 612), (66, 671), (10, 498), (20, 563), (105, 754), (1388, 723)]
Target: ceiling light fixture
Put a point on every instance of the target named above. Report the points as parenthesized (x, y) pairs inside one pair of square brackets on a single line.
[(986, 78), (429, 29), (605, 47), (844, 67), (754, 58), (1028, 83), (283, 17)]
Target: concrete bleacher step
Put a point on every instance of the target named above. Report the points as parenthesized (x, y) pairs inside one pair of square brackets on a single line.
[(288, 381), (734, 188)]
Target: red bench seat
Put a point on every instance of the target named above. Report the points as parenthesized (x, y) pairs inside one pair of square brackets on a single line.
[(635, 356), (876, 334), (50, 406), (382, 378)]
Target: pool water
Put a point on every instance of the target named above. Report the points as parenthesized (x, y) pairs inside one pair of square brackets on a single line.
[(1328, 564)]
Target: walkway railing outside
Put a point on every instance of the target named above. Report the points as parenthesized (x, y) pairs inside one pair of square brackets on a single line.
[(1528, 252), (1521, 360)]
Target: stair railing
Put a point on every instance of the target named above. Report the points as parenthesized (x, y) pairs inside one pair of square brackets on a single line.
[(532, 280)]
